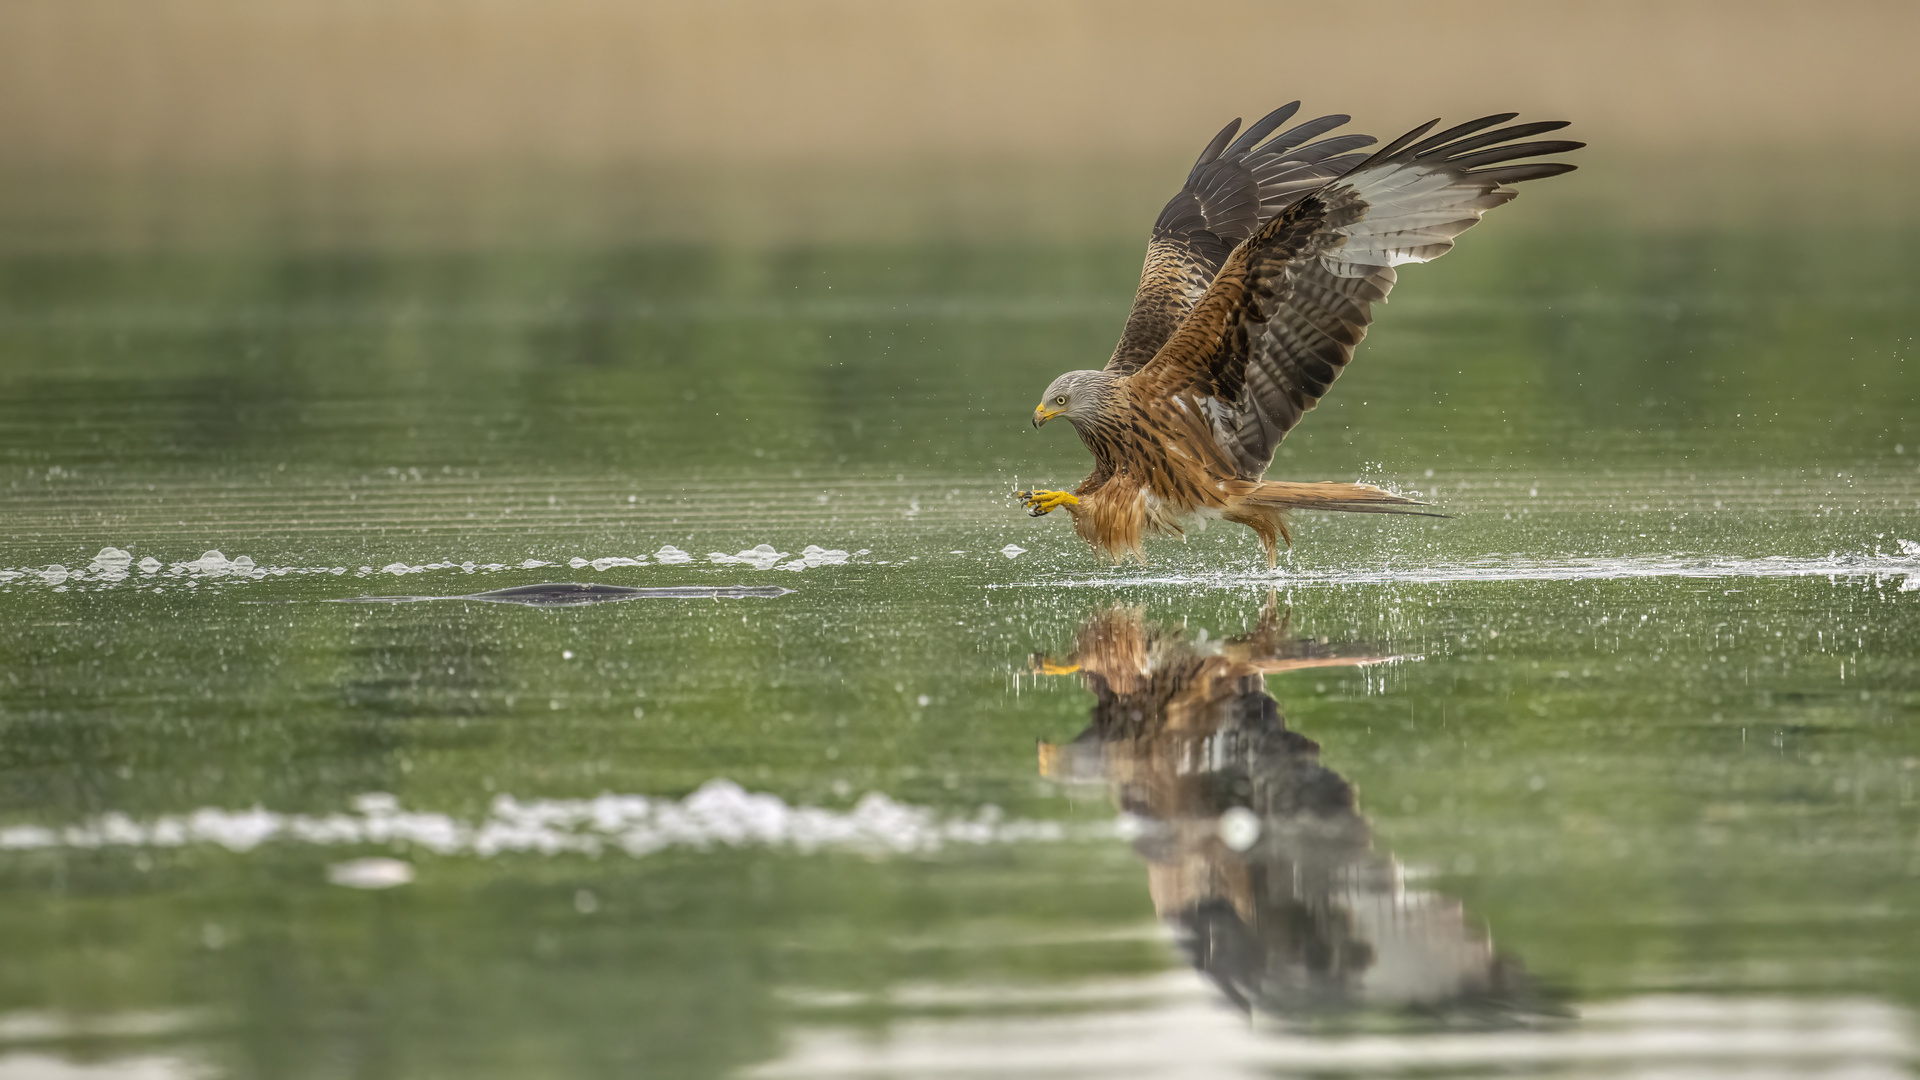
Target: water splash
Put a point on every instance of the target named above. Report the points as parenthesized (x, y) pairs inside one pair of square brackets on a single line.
[(1905, 565)]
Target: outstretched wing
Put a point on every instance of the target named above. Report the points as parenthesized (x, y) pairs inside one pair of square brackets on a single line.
[(1282, 318), (1230, 193)]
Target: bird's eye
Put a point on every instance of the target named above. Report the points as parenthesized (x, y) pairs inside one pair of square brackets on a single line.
[(1061, 400)]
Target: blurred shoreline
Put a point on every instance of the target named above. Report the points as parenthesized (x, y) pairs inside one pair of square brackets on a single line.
[(168, 124), (381, 84), (979, 202)]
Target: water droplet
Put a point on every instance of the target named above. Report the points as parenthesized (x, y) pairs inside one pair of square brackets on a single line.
[(1239, 828)]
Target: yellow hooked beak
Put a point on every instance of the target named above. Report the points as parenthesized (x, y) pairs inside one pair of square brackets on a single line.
[(1042, 414)]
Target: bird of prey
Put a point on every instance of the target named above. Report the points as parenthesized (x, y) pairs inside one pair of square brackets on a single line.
[(1259, 282)]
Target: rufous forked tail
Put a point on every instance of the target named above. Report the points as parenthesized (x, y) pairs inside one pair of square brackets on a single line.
[(1263, 505), (1350, 498)]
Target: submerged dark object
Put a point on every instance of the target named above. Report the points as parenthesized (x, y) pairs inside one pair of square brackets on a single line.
[(576, 593)]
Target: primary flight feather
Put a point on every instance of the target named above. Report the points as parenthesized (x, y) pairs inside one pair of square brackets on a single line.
[(1260, 280)]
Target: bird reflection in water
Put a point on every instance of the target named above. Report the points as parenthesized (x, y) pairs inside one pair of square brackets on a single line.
[(1257, 854)]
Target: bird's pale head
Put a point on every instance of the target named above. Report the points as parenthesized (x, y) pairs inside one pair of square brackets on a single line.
[(1074, 395)]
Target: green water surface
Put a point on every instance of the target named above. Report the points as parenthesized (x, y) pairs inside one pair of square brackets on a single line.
[(1652, 725)]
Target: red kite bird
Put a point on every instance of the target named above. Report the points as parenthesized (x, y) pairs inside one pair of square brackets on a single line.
[(1260, 279)]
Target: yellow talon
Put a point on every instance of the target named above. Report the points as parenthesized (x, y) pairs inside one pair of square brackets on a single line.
[(1046, 502)]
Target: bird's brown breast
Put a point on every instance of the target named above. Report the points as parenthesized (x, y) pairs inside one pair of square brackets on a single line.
[(1165, 451)]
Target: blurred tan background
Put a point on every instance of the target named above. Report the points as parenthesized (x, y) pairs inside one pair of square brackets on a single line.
[(745, 96)]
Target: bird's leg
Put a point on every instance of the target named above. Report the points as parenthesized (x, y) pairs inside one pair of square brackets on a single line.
[(1041, 502)]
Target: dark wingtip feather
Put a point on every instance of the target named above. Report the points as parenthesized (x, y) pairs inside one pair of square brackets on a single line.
[(1300, 133), (1458, 130), (1498, 154), (1262, 128), (1398, 144), (1506, 134), (1516, 174), (1212, 152), (1452, 146)]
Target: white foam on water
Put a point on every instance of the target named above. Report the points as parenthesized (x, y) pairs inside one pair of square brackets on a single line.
[(370, 873), (605, 562), (114, 565), (111, 564), (43, 1026), (812, 555), (767, 557), (719, 814), (760, 557)]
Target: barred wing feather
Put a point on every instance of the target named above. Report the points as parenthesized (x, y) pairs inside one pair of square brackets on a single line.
[(1282, 318), (1231, 191)]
